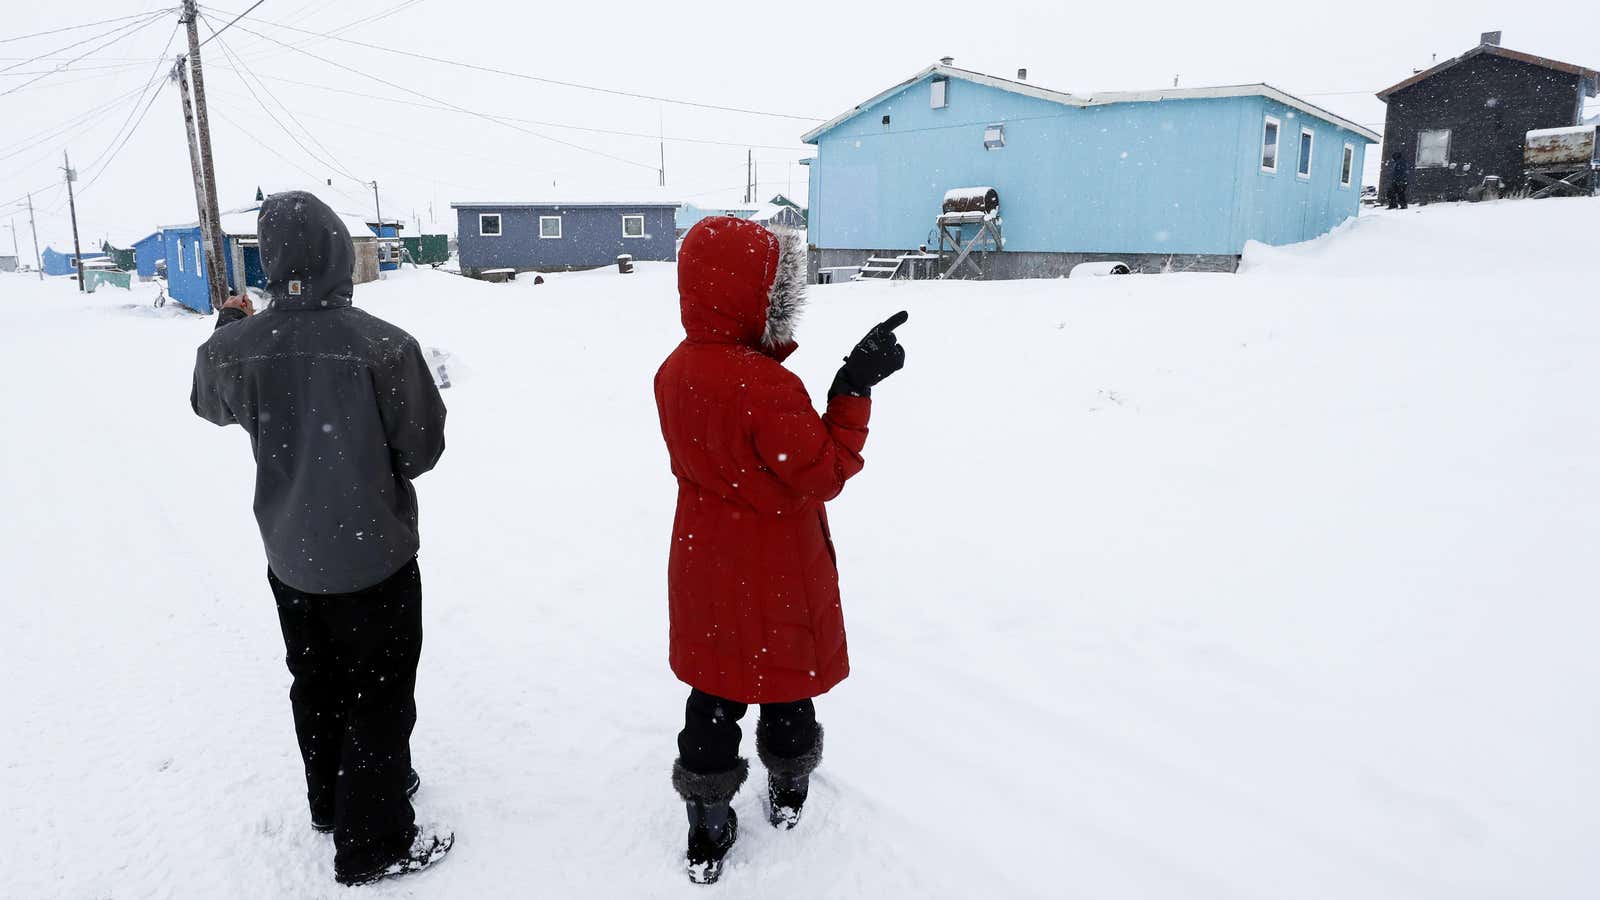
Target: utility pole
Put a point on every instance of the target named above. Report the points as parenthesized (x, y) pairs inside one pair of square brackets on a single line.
[(749, 165), (216, 259), (16, 253), (661, 126), (180, 73), (72, 204), (382, 246), (38, 261)]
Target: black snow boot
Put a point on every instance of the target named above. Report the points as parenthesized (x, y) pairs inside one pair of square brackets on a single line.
[(713, 825), (324, 823), (788, 781), (425, 850)]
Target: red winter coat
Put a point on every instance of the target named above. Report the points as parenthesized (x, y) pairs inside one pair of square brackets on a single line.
[(752, 586)]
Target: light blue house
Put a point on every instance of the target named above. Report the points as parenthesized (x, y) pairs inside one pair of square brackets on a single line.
[(563, 236), (57, 263), (1178, 178)]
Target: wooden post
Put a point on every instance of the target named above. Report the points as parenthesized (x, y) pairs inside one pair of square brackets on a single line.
[(38, 261), (180, 73), (216, 268), (72, 204)]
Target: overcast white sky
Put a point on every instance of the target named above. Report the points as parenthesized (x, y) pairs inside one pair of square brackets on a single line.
[(812, 59)]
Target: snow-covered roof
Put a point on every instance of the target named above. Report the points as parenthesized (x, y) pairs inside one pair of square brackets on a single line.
[(571, 204), (1098, 99), (1560, 132)]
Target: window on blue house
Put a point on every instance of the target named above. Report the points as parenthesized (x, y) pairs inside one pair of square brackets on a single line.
[(994, 137), (632, 226), (197, 256), (938, 94), (489, 224), (1307, 139), (1347, 166), (1269, 145), (180, 256), (550, 226)]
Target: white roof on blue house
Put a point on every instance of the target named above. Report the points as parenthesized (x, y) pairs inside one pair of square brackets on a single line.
[(571, 204), (1103, 98)]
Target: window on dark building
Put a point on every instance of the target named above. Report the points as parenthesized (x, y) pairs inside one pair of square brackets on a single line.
[(489, 224), (1433, 148), (550, 227), (633, 226)]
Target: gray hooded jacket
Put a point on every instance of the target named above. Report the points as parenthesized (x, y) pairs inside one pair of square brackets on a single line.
[(340, 406)]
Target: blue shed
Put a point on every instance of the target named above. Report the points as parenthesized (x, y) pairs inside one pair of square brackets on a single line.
[(147, 251), (689, 213), (1178, 178), (563, 236), (388, 234), (58, 263)]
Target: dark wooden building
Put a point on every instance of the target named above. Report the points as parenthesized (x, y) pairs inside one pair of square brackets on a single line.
[(1465, 118)]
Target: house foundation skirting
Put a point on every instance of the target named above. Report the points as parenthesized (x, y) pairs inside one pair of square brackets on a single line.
[(1007, 265)]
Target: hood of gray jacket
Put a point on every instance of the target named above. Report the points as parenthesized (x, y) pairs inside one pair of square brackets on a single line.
[(306, 252)]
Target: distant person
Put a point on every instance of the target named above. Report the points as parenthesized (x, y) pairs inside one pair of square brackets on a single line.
[(1399, 180), (342, 414), (753, 591)]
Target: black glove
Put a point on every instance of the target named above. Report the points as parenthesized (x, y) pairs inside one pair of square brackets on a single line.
[(878, 356)]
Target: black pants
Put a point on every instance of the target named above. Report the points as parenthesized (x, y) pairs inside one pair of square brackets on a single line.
[(709, 741), (354, 661), (1397, 195)]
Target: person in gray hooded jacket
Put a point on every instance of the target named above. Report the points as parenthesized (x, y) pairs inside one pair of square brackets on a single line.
[(342, 414)]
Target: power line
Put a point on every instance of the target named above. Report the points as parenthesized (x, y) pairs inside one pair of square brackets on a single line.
[(132, 109), (543, 80), (23, 37), (37, 138), (216, 32), (126, 30), (241, 71), (454, 106), (638, 134)]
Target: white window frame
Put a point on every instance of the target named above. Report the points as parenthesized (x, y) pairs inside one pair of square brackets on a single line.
[(1347, 165), (1277, 144), (641, 233), (994, 136), (197, 263), (550, 237), (939, 93), (180, 256), (500, 224), (1308, 152), (1445, 163)]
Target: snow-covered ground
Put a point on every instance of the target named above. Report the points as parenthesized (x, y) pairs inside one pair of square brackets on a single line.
[(1190, 586)]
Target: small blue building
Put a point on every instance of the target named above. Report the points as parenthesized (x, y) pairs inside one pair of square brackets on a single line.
[(147, 251), (388, 234), (1178, 178), (689, 214), (563, 236), (185, 253), (58, 263)]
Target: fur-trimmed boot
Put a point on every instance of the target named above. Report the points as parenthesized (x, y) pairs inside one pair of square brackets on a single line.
[(788, 781), (713, 826)]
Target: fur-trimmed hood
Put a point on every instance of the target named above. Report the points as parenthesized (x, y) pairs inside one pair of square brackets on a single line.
[(740, 283)]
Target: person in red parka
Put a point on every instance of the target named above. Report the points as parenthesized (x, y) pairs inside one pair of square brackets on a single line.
[(752, 584)]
